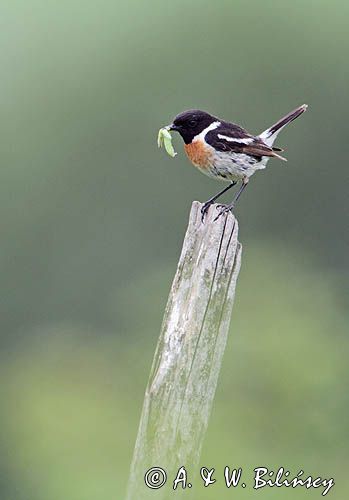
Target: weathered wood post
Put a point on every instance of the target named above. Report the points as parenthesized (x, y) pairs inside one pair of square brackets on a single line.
[(187, 361)]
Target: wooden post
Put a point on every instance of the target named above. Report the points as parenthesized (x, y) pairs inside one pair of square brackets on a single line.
[(187, 361)]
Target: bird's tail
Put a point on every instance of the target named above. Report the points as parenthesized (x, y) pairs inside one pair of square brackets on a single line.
[(269, 135)]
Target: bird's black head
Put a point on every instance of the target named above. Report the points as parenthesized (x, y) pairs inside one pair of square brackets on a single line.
[(190, 123)]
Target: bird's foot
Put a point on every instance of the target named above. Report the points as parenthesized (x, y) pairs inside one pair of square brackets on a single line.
[(204, 209), (223, 209)]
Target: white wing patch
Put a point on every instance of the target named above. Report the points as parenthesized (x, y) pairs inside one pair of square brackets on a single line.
[(246, 140)]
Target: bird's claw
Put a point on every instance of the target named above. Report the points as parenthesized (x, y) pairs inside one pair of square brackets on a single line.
[(224, 210), (221, 205), (204, 210)]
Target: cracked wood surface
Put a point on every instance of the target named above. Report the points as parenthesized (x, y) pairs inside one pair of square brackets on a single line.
[(188, 357)]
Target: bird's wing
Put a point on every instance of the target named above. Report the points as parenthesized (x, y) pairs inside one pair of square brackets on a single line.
[(233, 138)]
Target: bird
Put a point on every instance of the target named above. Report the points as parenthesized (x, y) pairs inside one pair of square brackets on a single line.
[(225, 151)]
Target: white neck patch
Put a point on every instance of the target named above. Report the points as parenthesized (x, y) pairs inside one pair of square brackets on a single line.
[(202, 134)]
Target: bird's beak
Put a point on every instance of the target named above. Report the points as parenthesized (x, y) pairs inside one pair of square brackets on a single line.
[(171, 127)]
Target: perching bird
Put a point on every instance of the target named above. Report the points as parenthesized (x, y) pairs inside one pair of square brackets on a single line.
[(225, 151)]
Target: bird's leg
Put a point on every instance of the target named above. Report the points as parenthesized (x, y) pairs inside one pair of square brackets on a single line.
[(227, 208), (209, 202)]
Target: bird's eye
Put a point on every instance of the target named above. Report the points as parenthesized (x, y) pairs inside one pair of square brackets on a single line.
[(192, 123)]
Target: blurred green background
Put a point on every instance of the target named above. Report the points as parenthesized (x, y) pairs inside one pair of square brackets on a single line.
[(92, 222)]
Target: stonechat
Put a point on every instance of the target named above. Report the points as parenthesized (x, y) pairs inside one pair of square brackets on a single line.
[(225, 151)]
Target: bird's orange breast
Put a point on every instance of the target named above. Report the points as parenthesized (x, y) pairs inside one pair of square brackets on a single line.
[(199, 154)]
